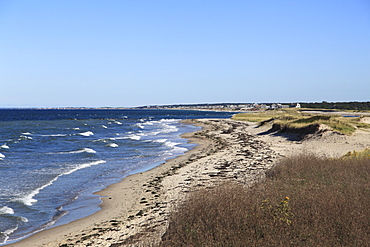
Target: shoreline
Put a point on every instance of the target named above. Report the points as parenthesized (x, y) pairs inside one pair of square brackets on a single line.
[(111, 205), (135, 210)]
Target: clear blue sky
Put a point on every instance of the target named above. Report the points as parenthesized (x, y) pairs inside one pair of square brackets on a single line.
[(132, 53)]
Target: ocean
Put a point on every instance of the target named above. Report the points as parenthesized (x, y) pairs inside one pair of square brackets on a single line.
[(53, 160)]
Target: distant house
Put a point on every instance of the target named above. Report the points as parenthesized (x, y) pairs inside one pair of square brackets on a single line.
[(297, 105)]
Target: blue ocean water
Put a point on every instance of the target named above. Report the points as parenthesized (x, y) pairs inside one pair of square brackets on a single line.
[(52, 161)]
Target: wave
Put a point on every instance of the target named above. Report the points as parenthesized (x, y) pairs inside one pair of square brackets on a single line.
[(26, 133), (160, 140), (174, 147), (135, 137), (6, 210), (29, 199), (104, 127), (7, 233), (112, 145), (84, 150), (87, 133), (55, 135), (25, 137), (2, 156), (4, 146)]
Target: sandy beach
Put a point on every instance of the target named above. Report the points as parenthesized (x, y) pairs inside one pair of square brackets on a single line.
[(135, 210)]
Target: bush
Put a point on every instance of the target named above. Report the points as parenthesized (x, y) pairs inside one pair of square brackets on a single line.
[(304, 201)]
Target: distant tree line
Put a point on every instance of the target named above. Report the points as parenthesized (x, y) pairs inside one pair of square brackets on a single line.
[(338, 105)]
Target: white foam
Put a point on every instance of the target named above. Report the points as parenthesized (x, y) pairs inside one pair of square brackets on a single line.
[(118, 122), (29, 200), (4, 146), (174, 147), (26, 133), (134, 137), (140, 126), (2, 156), (76, 128), (55, 135), (160, 140), (6, 210), (8, 232), (112, 145), (104, 127), (23, 219), (84, 150), (25, 137), (171, 144), (87, 133)]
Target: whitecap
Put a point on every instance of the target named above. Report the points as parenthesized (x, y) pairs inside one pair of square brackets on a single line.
[(25, 137), (4, 146), (87, 133), (76, 128), (23, 219), (105, 127), (112, 145), (2, 156), (84, 150), (117, 122), (6, 210), (134, 137), (29, 198), (9, 231), (55, 135), (26, 133), (160, 140)]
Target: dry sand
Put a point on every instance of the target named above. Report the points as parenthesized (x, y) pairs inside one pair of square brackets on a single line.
[(135, 211)]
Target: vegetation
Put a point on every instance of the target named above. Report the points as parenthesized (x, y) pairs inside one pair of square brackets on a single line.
[(304, 201), (293, 120), (358, 154), (359, 106)]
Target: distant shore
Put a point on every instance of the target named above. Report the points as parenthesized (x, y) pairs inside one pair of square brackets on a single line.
[(135, 210)]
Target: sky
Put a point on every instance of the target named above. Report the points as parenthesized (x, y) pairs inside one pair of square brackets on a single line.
[(120, 53)]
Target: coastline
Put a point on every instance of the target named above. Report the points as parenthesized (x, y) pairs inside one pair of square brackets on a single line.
[(114, 203), (135, 210)]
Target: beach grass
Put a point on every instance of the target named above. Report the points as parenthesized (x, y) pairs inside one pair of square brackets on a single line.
[(295, 120), (304, 201)]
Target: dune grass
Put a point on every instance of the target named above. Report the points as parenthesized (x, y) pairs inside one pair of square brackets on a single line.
[(304, 201), (294, 120)]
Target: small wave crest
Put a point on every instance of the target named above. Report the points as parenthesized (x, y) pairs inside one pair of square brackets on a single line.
[(112, 145), (29, 199), (6, 210), (84, 150), (2, 156), (174, 147), (87, 133), (55, 135), (4, 146)]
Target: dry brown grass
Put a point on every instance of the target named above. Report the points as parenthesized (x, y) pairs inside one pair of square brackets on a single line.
[(305, 201), (293, 120)]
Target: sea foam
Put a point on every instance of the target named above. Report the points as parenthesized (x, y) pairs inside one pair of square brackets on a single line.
[(112, 145), (4, 146), (6, 210), (29, 199), (87, 133)]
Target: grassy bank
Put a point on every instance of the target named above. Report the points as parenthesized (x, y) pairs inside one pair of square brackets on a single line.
[(292, 120), (305, 201)]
